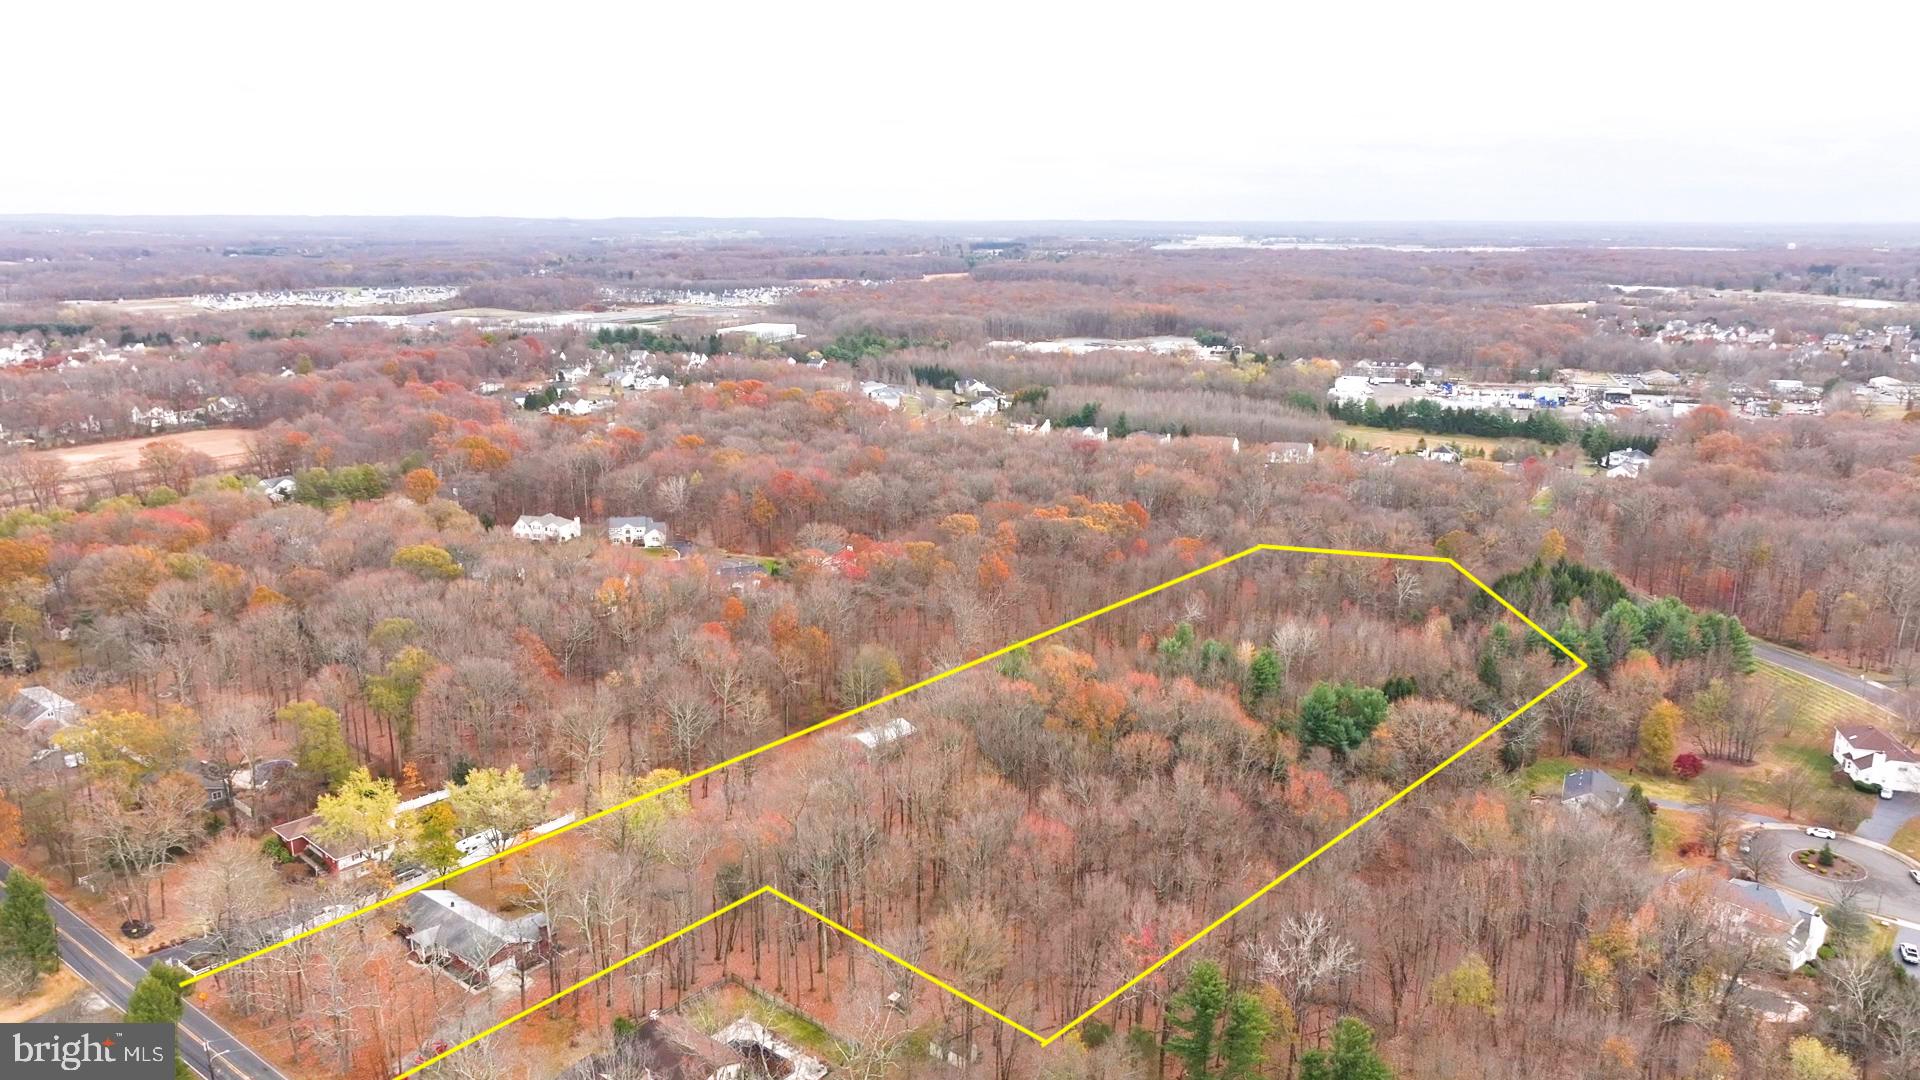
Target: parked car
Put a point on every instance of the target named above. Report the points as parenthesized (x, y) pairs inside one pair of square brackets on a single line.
[(1915, 875), (1886, 793), (1909, 953), (1821, 833)]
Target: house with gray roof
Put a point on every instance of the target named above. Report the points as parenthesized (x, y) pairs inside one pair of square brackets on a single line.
[(643, 531), (1591, 789), (1758, 912), (467, 941), (42, 714)]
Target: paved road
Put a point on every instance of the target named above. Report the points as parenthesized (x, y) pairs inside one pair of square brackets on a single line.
[(1821, 671), (1888, 891), (211, 1050)]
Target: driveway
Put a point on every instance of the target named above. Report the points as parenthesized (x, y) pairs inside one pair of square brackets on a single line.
[(1888, 816), (1907, 934)]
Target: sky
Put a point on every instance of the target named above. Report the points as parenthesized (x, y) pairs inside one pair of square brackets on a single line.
[(1196, 111)]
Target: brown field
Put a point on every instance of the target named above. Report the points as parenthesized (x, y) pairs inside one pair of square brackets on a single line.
[(224, 445)]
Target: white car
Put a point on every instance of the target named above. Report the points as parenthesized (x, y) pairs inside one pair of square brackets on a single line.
[(1909, 953), (1886, 793), (1820, 833), (1915, 875)]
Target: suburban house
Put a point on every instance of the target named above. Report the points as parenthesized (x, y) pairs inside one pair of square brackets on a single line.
[(467, 941), (1591, 789), (41, 713), (637, 530), (1871, 756), (1289, 453), (1627, 464), (299, 837), (277, 488), (1760, 912), (546, 527)]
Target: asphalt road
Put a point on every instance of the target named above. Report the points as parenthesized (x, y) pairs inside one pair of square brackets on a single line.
[(1821, 671), (211, 1050), (1888, 891)]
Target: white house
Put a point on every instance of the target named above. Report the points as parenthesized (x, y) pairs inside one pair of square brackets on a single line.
[(277, 488), (1289, 453), (42, 714), (546, 527), (1871, 756), (1628, 457), (637, 530)]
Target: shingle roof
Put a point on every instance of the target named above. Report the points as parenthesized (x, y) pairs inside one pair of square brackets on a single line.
[(636, 522), (1870, 738), (1592, 782), (440, 920)]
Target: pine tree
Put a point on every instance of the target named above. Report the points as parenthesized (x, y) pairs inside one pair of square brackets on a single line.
[(1192, 1015), (1245, 1038), (27, 933), (1352, 1057), (158, 998), (1263, 676)]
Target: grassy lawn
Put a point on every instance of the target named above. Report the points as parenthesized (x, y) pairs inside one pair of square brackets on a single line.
[(1907, 840), (1402, 441), (1543, 776), (730, 1003), (1671, 828)]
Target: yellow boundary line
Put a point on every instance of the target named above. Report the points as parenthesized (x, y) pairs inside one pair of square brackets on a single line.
[(1579, 667)]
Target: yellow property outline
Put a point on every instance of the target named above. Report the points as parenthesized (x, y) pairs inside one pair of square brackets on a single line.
[(1579, 667)]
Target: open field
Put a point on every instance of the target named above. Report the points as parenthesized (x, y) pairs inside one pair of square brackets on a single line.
[(1401, 441), (224, 445)]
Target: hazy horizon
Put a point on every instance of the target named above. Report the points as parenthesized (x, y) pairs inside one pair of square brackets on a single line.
[(868, 113)]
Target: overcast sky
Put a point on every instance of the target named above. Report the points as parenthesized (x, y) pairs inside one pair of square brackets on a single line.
[(1168, 111)]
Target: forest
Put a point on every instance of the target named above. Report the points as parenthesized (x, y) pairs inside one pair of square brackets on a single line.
[(1056, 821)]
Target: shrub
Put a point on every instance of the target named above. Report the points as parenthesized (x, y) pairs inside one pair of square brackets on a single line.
[(1825, 858), (1862, 785), (276, 849), (1688, 766)]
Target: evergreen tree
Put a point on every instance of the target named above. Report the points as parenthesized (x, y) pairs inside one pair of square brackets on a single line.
[(1263, 677), (1245, 1038), (1340, 716), (27, 934), (1352, 1057), (158, 998), (1192, 1015)]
